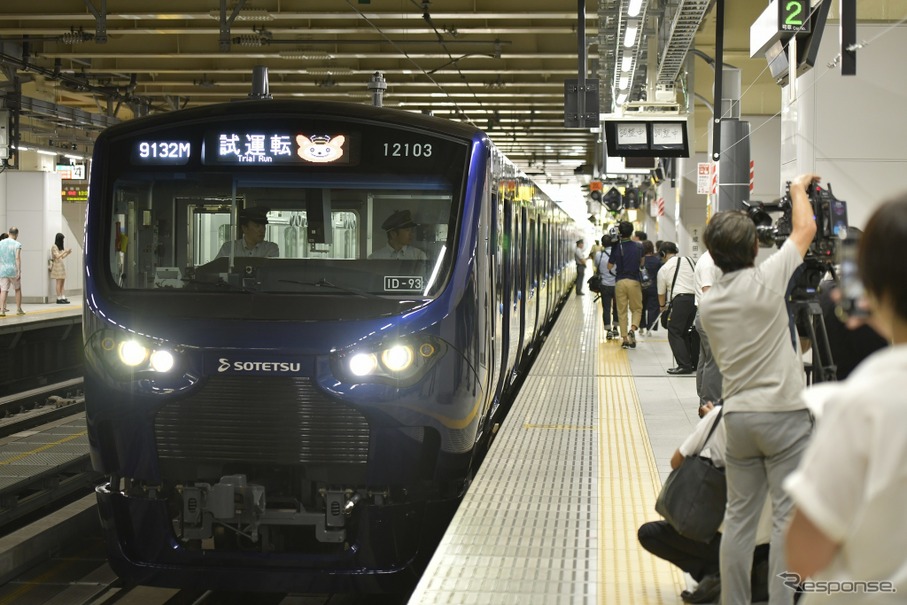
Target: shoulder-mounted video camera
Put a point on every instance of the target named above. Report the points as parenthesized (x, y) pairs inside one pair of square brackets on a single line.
[(830, 214), (611, 237)]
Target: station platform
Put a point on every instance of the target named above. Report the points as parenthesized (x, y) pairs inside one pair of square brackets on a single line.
[(40, 311), (41, 347), (575, 470)]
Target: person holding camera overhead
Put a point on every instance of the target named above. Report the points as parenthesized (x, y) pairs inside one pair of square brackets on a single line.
[(768, 425), (675, 286), (850, 490)]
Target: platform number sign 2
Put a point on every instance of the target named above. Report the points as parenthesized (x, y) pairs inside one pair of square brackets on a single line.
[(793, 16)]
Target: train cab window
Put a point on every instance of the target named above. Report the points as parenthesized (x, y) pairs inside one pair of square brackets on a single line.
[(317, 238)]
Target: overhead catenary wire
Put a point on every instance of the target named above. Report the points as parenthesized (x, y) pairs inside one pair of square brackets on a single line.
[(691, 173), (426, 16), (365, 18)]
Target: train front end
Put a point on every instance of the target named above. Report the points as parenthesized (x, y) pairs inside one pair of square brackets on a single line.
[(282, 395)]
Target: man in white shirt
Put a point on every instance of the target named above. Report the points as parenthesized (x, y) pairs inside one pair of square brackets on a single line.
[(675, 284), (580, 257), (252, 223), (768, 426), (399, 227), (708, 376)]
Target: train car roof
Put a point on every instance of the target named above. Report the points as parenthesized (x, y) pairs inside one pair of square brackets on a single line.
[(272, 107)]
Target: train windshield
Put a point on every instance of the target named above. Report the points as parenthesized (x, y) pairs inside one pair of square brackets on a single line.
[(365, 211)]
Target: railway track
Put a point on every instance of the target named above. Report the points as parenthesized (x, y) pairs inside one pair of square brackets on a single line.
[(51, 551)]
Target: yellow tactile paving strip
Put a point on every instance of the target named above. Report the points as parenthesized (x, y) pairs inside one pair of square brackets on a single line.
[(552, 515), (628, 486)]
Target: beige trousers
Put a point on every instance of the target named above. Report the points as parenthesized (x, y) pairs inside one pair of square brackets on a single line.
[(629, 295)]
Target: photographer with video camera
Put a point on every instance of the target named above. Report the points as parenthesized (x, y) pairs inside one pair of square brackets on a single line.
[(768, 426)]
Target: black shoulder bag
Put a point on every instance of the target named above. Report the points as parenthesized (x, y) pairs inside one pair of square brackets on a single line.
[(694, 496), (666, 314)]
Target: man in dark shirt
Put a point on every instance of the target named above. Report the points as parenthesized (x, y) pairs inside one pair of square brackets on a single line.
[(848, 346), (625, 260)]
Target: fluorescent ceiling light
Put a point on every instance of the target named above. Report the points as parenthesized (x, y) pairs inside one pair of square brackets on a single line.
[(22, 148), (304, 54), (624, 82), (626, 63), (246, 14), (630, 36), (634, 7), (323, 71), (621, 98), (73, 157), (42, 152)]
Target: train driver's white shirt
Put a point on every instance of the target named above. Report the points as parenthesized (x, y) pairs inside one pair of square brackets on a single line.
[(260, 250), (404, 253)]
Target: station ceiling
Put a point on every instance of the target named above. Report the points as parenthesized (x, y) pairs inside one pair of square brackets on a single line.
[(499, 64)]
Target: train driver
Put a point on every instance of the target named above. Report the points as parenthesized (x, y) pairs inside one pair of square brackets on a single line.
[(399, 227), (252, 222)]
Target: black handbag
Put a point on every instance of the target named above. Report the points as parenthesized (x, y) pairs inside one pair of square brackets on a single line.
[(694, 496), (595, 283)]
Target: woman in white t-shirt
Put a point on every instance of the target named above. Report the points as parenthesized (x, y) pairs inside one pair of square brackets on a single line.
[(849, 529)]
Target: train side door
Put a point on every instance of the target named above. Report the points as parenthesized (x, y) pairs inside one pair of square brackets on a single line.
[(501, 284), (511, 284), (532, 281), (522, 243), (488, 299)]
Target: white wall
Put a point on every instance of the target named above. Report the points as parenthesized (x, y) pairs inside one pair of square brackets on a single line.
[(32, 204), (851, 129), (30, 199)]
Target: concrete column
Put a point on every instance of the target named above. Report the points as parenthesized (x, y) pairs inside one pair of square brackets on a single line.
[(33, 205)]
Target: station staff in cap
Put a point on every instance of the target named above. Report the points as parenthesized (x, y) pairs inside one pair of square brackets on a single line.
[(252, 222), (399, 228)]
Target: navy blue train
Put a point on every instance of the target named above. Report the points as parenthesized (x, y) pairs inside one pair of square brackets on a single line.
[(303, 322)]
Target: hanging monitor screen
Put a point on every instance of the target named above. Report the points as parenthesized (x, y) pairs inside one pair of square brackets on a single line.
[(647, 138)]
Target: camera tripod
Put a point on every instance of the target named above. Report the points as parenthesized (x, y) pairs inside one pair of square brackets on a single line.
[(808, 313)]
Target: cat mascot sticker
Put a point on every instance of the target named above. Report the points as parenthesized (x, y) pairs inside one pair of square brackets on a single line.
[(320, 148)]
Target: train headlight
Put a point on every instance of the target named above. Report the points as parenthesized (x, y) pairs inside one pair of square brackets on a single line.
[(397, 358), (363, 364), (162, 361), (132, 353), (128, 356), (401, 362)]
